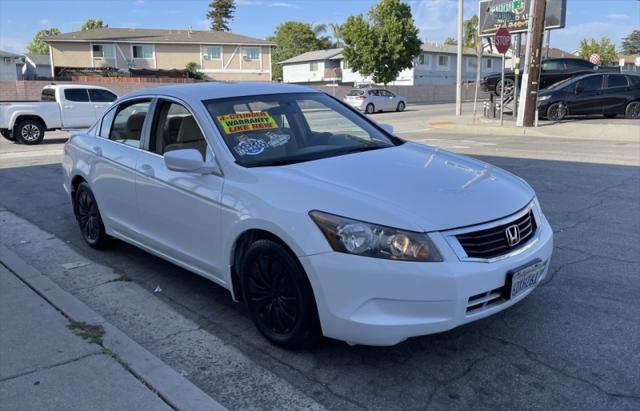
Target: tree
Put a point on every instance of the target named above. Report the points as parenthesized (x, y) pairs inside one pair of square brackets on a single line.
[(471, 38), (631, 43), (384, 44), (605, 48), (90, 24), (336, 33), (450, 41), (220, 14), (324, 41), (292, 38), (37, 46), (193, 72)]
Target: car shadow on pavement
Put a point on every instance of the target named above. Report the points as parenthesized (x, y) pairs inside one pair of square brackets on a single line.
[(572, 341)]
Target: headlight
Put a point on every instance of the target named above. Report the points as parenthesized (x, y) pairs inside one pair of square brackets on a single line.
[(543, 98), (538, 210), (357, 237)]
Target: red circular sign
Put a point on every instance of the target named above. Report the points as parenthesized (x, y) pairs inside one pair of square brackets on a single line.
[(503, 40)]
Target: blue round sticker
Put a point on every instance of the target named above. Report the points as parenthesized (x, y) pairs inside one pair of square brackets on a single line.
[(250, 147)]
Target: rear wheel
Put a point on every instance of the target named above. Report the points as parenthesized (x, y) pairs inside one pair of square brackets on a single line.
[(89, 219), (400, 106), (508, 87), (369, 109), (556, 112), (7, 134), (29, 132), (278, 296), (633, 110)]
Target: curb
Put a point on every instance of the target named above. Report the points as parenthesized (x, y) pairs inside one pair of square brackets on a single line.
[(169, 385)]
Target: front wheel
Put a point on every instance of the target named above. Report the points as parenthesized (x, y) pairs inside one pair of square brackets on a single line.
[(556, 112), (7, 134), (400, 106), (369, 109), (509, 86), (633, 110), (89, 219), (29, 132), (278, 296)]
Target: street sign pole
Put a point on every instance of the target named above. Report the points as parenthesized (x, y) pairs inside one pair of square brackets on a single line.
[(502, 92)]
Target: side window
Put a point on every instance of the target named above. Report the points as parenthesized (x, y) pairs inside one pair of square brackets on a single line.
[(48, 94), (101, 96), (176, 129), (387, 93), (128, 122), (591, 83), (617, 80), (107, 120), (553, 65), (76, 94)]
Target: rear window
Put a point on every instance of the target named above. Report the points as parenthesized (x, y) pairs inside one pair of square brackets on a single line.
[(355, 93), (48, 94), (76, 94)]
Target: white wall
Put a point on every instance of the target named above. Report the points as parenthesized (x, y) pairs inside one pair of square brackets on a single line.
[(301, 73)]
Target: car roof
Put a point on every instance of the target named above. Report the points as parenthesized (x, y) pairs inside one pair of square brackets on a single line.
[(215, 90), (71, 86)]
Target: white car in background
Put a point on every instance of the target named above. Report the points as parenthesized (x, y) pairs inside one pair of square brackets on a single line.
[(63, 106), (372, 100), (314, 216)]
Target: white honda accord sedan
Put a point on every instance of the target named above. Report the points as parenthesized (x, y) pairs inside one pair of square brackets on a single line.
[(318, 219)]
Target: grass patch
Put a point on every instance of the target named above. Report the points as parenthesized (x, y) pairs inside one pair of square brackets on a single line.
[(91, 333)]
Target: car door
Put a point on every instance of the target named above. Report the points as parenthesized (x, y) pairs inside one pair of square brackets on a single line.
[(76, 108), (101, 99), (179, 212), (113, 168), (615, 94), (389, 98), (586, 97)]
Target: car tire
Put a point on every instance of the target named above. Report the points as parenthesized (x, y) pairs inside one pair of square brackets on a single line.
[(7, 134), (29, 132), (89, 219), (509, 85), (278, 296), (370, 109), (556, 112), (633, 110), (400, 107)]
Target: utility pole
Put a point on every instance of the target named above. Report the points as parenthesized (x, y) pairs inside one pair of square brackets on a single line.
[(459, 60), (529, 92)]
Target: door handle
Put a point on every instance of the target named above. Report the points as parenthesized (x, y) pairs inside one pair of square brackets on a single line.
[(97, 150), (68, 106), (147, 169)]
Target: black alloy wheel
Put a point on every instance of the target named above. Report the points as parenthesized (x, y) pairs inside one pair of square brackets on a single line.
[(509, 87), (369, 109), (633, 110), (89, 219), (278, 296), (556, 112)]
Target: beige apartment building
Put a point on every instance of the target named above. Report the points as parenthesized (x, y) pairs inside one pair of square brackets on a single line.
[(220, 55)]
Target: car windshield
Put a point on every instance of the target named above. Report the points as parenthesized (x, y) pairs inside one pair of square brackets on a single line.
[(280, 129)]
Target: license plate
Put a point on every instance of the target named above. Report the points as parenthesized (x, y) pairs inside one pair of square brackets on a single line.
[(522, 279)]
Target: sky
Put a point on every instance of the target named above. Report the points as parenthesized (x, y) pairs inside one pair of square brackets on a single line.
[(436, 19)]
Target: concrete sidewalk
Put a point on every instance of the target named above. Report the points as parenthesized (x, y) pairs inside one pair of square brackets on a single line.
[(51, 361)]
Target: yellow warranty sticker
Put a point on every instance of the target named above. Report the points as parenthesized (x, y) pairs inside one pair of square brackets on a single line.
[(238, 123)]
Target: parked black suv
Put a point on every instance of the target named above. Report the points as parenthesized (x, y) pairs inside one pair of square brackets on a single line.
[(552, 71)]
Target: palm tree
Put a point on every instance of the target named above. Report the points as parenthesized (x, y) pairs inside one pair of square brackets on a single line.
[(91, 24), (471, 32), (336, 32)]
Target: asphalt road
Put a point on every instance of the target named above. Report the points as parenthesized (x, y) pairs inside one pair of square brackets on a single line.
[(572, 344)]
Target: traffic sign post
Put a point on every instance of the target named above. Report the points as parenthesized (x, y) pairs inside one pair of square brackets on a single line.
[(503, 42)]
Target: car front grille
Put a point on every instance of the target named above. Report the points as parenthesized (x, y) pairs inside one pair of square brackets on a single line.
[(483, 301), (492, 242)]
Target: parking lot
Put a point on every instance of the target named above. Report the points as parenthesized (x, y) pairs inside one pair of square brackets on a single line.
[(572, 344)]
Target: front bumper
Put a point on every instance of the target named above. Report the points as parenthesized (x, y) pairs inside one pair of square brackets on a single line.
[(372, 301)]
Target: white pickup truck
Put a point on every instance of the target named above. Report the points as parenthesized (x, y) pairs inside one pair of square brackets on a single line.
[(63, 106)]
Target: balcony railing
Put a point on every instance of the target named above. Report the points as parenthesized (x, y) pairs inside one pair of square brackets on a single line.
[(333, 73)]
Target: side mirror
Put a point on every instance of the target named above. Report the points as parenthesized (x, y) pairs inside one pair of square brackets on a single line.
[(387, 127), (188, 160)]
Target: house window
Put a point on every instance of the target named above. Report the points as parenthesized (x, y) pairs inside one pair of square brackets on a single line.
[(472, 64), (423, 59), (103, 51), (251, 53), (143, 51), (313, 66), (489, 63), (212, 53), (443, 61)]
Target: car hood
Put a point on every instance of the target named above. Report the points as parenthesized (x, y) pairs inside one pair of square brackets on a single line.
[(412, 183)]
